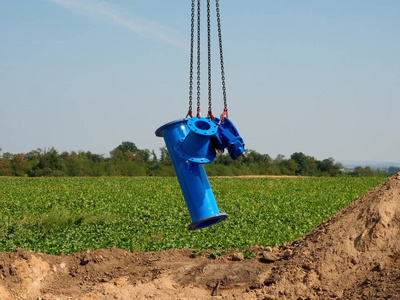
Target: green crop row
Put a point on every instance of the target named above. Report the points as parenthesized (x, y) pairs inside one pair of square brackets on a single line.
[(55, 215)]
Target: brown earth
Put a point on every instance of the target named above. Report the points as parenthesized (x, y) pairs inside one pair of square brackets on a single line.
[(353, 255), (260, 176)]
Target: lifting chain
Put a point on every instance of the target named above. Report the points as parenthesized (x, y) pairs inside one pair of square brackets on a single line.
[(198, 57), (210, 114), (190, 112), (221, 55)]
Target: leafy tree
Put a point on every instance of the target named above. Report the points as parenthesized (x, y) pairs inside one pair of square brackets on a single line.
[(363, 172), (165, 159), (127, 146), (18, 164), (94, 157), (153, 156), (223, 159), (117, 154), (393, 169), (49, 164), (5, 167), (328, 167), (289, 166), (34, 155), (279, 158), (7, 155), (144, 155), (253, 156), (128, 155), (307, 165)]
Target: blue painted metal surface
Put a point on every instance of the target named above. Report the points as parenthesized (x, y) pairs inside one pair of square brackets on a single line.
[(196, 146), (189, 146), (228, 137)]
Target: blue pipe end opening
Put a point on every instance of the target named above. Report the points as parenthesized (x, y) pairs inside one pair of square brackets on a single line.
[(207, 221)]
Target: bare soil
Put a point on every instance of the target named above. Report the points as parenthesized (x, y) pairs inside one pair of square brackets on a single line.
[(353, 255)]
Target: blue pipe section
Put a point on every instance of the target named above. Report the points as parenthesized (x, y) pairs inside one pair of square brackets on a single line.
[(196, 146), (189, 145)]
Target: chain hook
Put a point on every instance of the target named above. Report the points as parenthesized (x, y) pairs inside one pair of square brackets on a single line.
[(210, 115), (224, 114), (198, 113)]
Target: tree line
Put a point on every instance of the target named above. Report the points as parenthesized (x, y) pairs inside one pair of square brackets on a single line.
[(128, 160)]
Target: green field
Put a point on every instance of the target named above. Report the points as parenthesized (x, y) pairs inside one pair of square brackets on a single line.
[(55, 215)]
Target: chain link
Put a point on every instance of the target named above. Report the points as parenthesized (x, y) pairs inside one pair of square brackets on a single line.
[(221, 57), (191, 59), (198, 56), (192, 37), (209, 59)]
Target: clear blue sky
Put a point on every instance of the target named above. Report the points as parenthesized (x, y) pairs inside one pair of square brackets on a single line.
[(320, 77)]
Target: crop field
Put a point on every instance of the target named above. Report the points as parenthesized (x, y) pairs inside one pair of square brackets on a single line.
[(55, 215)]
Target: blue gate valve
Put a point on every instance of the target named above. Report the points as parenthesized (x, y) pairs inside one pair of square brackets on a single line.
[(189, 145), (228, 137)]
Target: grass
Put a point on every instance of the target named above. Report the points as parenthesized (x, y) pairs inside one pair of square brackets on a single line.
[(55, 215)]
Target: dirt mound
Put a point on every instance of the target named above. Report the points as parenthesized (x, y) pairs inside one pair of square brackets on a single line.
[(353, 255)]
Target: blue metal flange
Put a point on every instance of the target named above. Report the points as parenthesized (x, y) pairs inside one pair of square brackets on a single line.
[(207, 221)]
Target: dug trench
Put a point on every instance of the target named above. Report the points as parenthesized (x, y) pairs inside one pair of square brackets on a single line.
[(353, 255)]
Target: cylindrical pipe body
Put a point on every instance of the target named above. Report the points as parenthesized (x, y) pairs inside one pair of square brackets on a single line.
[(191, 175)]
